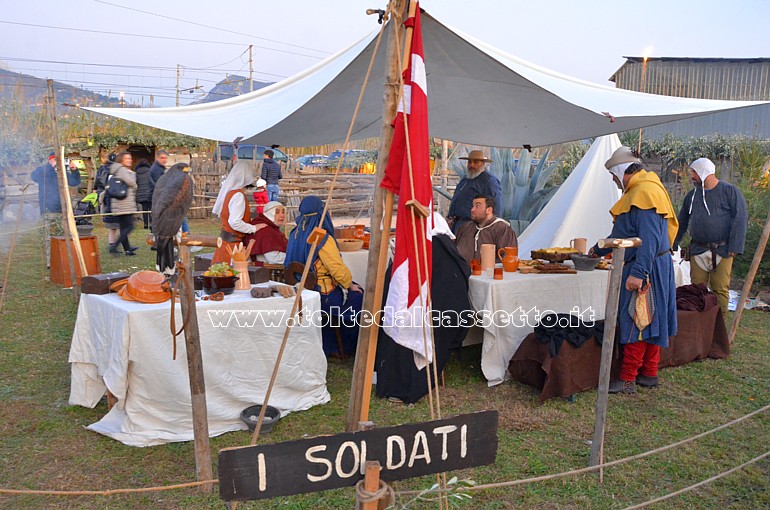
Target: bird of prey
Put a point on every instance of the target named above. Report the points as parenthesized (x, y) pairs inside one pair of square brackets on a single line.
[(170, 202)]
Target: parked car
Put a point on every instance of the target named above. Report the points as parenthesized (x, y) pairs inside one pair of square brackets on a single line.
[(246, 151), (314, 160), (348, 153)]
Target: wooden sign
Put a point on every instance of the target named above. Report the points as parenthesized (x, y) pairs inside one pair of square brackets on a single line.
[(331, 462)]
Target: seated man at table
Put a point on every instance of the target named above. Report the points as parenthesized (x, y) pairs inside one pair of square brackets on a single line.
[(485, 228)]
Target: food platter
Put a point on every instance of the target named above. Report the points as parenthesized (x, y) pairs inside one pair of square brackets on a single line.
[(557, 254)]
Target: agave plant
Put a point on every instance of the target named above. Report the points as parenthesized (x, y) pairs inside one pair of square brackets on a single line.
[(522, 184)]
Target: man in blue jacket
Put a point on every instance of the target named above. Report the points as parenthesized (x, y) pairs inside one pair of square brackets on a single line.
[(48, 197), (271, 172), (476, 182)]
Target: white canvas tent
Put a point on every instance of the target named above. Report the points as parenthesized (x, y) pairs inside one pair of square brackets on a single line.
[(580, 208), (477, 94)]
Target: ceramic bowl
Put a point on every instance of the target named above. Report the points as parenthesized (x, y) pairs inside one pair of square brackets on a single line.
[(250, 416), (584, 262)]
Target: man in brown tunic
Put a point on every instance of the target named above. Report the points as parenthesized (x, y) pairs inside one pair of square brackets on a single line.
[(485, 228)]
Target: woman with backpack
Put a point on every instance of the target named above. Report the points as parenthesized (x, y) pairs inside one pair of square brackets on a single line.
[(121, 190)]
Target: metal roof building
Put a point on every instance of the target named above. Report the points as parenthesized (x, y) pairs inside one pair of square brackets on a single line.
[(704, 78)]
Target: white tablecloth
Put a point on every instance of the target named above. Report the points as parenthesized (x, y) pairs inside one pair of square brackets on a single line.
[(536, 294), (126, 347), (358, 263)]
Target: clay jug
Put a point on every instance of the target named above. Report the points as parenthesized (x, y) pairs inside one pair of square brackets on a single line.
[(244, 282), (510, 257)]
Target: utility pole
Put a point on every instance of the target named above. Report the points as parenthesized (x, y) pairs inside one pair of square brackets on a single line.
[(251, 70), (177, 83)]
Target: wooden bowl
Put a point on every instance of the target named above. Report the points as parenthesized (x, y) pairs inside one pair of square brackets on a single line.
[(350, 244)]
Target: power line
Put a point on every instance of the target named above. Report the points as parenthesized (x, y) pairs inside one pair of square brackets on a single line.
[(145, 36), (209, 26), (127, 66)]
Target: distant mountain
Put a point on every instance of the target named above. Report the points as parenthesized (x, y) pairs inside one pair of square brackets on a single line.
[(231, 86), (30, 90)]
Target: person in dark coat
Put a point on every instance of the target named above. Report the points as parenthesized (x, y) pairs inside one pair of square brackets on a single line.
[(49, 200), (48, 185), (644, 211), (477, 181), (271, 173), (144, 186), (397, 376), (714, 213)]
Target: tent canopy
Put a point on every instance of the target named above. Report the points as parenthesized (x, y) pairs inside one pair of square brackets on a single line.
[(477, 94)]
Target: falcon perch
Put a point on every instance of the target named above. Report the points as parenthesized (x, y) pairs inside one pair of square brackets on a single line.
[(171, 200)]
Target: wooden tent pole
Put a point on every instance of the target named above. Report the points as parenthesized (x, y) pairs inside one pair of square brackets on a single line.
[(750, 278), (192, 340), (361, 386), (69, 218), (610, 322), (63, 190)]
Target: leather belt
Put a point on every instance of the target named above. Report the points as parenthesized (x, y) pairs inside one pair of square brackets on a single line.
[(229, 237), (712, 247)]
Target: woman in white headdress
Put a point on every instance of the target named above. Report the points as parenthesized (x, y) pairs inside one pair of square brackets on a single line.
[(233, 209), (269, 243)]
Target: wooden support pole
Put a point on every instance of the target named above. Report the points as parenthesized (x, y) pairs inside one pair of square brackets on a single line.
[(610, 323), (750, 278), (203, 469), (608, 344), (361, 386), (69, 218), (191, 240), (64, 196)]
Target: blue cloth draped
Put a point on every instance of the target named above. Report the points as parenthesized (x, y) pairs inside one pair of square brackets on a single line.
[(642, 262), (310, 210)]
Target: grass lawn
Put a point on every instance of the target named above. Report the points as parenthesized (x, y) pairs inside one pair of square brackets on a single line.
[(44, 445)]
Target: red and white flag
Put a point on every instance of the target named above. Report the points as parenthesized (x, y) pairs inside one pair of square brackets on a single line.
[(407, 302)]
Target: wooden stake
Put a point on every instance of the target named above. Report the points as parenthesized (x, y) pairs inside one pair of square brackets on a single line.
[(750, 278), (64, 195), (371, 483), (69, 218), (195, 369), (610, 323), (361, 386)]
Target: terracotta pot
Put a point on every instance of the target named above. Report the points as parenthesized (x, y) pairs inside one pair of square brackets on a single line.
[(510, 257)]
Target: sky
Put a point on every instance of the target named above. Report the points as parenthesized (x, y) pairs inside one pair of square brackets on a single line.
[(584, 39)]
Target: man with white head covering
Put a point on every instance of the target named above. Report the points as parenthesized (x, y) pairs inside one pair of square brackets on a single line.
[(477, 181), (645, 211), (233, 209), (714, 213)]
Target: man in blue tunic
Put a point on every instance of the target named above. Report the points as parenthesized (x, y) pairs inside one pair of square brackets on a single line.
[(714, 212), (644, 211), (476, 182)]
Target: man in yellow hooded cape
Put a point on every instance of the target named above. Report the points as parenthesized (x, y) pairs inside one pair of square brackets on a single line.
[(644, 211)]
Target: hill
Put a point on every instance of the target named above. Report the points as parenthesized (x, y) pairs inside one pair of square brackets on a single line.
[(233, 85), (31, 90)]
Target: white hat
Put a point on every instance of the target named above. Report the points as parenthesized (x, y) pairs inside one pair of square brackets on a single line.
[(261, 183), (703, 167)]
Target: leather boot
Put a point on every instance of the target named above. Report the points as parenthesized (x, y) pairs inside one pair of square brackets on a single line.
[(114, 249), (620, 386), (646, 381)]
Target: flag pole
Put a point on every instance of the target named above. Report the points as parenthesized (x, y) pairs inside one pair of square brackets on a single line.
[(361, 386)]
